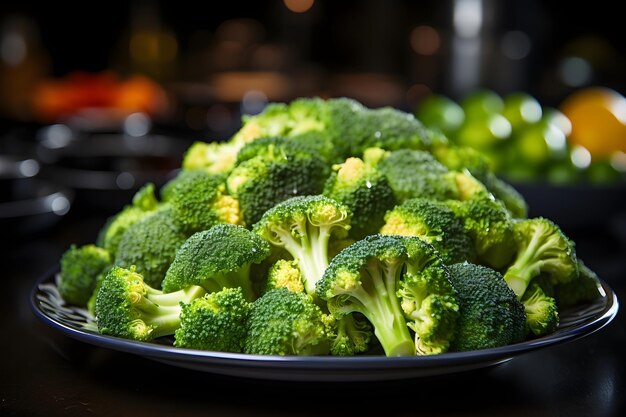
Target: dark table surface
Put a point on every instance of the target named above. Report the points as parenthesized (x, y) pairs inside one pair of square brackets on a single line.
[(43, 372)]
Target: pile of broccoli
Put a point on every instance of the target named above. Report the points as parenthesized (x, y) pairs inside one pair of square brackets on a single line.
[(323, 227)]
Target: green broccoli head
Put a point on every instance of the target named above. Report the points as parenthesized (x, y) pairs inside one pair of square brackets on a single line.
[(212, 157), (416, 173), (303, 226), (542, 248), (434, 222), (217, 258), (398, 283), (80, 268), (365, 191), (199, 201), (490, 227), (387, 128), (304, 120), (490, 313), (216, 322), (144, 202), (283, 322), (150, 244), (542, 313), (459, 158), (278, 172), (587, 287), (126, 306)]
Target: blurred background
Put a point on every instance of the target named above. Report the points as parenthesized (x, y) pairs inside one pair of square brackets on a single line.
[(97, 98)]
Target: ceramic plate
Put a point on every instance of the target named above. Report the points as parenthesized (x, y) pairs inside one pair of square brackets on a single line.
[(581, 321)]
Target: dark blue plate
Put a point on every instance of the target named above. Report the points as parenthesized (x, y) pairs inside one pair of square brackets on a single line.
[(48, 306)]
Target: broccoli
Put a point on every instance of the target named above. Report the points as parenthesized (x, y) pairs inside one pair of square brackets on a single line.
[(212, 157), (80, 268), (348, 335), (434, 222), (144, 202), (416, 173), (398, 283), (285, 273), (387, 128), (282, 322), (150, 244), (542, 248), (490, 227), (303, 226), (305, 120), (217, 258), (584, 289), (541, 310), (127, 307), (199, 201), (217, 321), (490, 313), (276, 172), (365, 191), (458, 158)]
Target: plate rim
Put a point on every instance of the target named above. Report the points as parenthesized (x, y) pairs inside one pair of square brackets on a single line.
[(326, 365)]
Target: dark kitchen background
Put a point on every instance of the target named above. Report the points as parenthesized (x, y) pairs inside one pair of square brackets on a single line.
[(98, 98)]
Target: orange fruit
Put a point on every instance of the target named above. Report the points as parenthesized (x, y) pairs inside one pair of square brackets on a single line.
[(598, 118)]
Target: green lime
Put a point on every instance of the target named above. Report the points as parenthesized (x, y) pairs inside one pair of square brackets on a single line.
[(521, 109), (441, 112), (481, 103)]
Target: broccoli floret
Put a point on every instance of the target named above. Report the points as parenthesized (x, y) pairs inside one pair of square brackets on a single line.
[(304, 120), (458, 158), (434, 222), (303, 226), (398, 283), (80, 268), (217, 322), (587, 287), (542, 314), (285, 273), (212, 157), (150, 244), (417, 174), (349, 335), (490, 227), (278, 171), (387, 128), (199, 201), (126, 306), (217, 258), (144, 202), (542, 248), (282, 322), (365, 191), (490, 313)]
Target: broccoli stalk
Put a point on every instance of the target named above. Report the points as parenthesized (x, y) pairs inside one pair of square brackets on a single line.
[(542, 247), (303, 226), (128, 307)]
